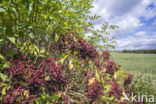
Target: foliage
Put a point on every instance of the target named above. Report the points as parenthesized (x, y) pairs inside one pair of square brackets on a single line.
[(153, 51), (144, 86), (46, 58)]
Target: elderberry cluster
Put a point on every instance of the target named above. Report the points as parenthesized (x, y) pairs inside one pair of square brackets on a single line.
[(27, 81), (53, 74), (106, 55), (115, 90), (111, 67), (19, 71), (128, 80), (86, 50), (94, 91)]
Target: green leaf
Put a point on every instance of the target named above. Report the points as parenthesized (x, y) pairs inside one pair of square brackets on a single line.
[(37, 49), (35, 53), (31, 35), (97, 76), (30, 7), (76, 64), (5, 65), (2, 10), (3, 76), (111, 46), (2, 57), (107, 88), (42, 50), (4, 90), (8, 30), (12, 39), (70, 65), (31, 48), (103, 82), (11, 53), (56, 37), (18, 44), (2, 41), (64, 56)]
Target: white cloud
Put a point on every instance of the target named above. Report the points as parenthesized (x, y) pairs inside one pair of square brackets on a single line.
[(139, 41), (126, 14), (127, 24), (141, 33)]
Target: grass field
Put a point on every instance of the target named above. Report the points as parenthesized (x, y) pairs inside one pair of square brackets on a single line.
[(136, 63)]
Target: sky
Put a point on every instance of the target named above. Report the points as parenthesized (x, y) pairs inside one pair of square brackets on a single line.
[(136, 20)]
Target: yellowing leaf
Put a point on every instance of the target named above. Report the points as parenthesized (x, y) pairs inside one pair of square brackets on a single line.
[(103, 82), (63, 58), (12, 39), (91, 81), (37, 49), (3, 76), (56, 37), (31, 48), (35, 53), (42, 50), (26, 94), (107, 88), (2, 57), (70, 65), (4, 90), (47, 78), (97, 76)]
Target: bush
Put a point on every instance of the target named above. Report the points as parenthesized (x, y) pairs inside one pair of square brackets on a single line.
[(46, 58), (143, 85)]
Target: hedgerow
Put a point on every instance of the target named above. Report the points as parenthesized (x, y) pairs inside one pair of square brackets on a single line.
[(46, 58)]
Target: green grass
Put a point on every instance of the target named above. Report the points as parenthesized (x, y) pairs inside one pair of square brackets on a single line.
[(136, 63)]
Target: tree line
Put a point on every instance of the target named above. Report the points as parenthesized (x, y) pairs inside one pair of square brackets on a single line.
[(153, 51)]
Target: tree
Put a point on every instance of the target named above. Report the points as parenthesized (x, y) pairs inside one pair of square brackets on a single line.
[(46, 58)]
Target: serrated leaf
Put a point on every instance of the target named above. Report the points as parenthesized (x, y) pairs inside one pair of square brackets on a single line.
[(12, 39)]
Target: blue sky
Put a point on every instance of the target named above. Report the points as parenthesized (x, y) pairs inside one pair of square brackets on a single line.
[(136, 20)]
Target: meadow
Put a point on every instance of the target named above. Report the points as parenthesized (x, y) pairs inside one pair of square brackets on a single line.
[(137, 63)]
